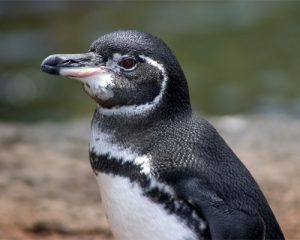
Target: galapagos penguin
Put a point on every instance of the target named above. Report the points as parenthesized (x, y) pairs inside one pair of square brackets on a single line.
[(163, 173)]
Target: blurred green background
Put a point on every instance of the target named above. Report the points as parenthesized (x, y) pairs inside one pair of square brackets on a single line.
[(238, 56)]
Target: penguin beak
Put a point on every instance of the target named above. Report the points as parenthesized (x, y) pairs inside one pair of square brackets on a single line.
[(78, 66), (89, 68)]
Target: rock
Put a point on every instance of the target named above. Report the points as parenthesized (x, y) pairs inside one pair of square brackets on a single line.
[(48, 189)]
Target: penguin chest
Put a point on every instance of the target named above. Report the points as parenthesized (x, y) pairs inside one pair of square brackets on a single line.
[(132, 215)]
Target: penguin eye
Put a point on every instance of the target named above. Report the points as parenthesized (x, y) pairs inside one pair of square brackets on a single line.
[(127, 63)]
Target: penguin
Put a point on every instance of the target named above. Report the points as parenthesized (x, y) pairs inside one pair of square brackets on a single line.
[(163, 172)]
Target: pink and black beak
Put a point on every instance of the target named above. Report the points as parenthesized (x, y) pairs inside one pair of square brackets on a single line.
[(73, 65), (89, 68)]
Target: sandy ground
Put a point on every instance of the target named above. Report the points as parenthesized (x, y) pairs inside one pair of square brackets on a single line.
[(48, 191)]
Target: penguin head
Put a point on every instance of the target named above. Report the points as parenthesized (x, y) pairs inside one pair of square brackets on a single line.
[(127, 72)]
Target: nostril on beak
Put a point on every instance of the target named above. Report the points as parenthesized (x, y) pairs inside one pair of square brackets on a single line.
[(65, 63)]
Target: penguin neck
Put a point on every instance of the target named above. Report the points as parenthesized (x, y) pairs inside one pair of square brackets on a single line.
[(174, 104), (127, 124)]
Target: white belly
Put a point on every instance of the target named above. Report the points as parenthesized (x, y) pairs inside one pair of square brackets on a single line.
[(133, 216)]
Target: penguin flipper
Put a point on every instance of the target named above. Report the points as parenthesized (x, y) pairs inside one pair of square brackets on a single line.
[(223, 221)]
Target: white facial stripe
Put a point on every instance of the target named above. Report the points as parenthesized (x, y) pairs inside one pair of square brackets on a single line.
[(139, 109), (113, 63), (117, 56)]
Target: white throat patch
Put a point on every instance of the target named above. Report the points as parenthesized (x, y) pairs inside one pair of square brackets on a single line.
[(97, 82), (144, 108), (98, 85)]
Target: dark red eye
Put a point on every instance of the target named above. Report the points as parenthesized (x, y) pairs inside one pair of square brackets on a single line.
[(127, 63)]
